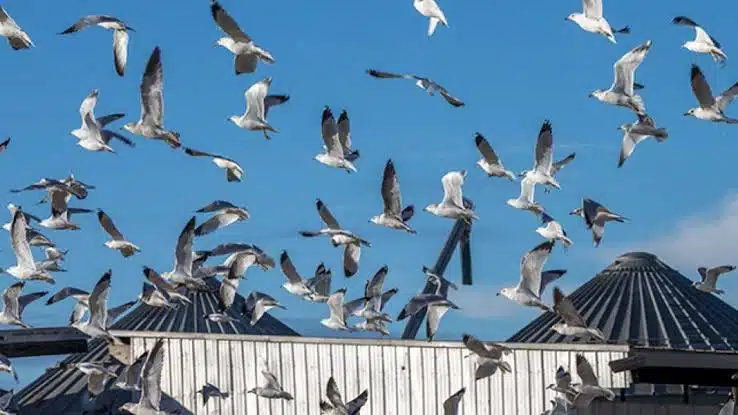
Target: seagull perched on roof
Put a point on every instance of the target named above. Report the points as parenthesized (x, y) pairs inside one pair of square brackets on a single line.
[(488, 357), (234, 172), (709, 277), (272, 389), (238, 42), (148, 403), (621, 91), (452, 206), (589, 389), (226, 214), (703, 42), (14, 304), (394, 216), (451, 404), (552, 230), (333, 155), (258, 103), (120, 36), (430, 9), (636, 132), (335, 405), (489, 162), (151, 123), (426, 84), (711, 108), (573, 325), (25, 268), (528, 291), (337, 319), (17, 38), (596, 216), (542, 172), (118, 241), (593, 21)]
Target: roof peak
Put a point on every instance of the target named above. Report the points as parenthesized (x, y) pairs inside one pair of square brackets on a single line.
[(636, 259)]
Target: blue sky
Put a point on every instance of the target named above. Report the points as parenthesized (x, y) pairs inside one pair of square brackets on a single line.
[(512, 77)]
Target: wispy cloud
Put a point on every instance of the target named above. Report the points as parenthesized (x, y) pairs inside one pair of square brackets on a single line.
[(480, 301)]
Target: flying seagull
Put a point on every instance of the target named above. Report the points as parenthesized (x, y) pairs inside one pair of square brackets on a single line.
[(489, 162), (525, 200), (344, 137), (92, 134), (436, 303), (120, 36), (97, 375), (333, 155), (528, 291), (335, 405), (320, 285), (593, 21), (258, 303), (14, 304), (711, 108), (17, 38), (596, 216), (451, 404), (553, 231), (423, 83), (151, 124), (452, 206), (394, 216), (238, 42), (430, 9), (234, 172), (171, 289), (25, 268), (67, 186), (61, 213), (337, 319), (4, 145), (703, 42), (488, 357), (183, 258), (96, 325), (150, 398), (295, 284), (542, 172), (642, 129), (226, 214), (563, 383), (573, 325), (7, 366), (621, 91), (118, 241), (154, 297), (272, 389), (589, 389), (258, 103), (211, 391), (81, 296), (557, 166), (709, 278)]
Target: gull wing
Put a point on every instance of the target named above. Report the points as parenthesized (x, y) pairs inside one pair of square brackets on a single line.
[(544, 149), (88, 104), (333, 395), (99, 301), (527, 190), (329, 132), (212, 224), (120, 50), (183, 251), (255, 96), (351, 255), (335, 304), (590, 209), (197, 153), (388, 75), (354, 305), (391, 190), (373, 287), (546, 218), (160, 283), (4, 144), (64, 293), (452, 182), (10, 299), (585, 371), (566, 310), (354, 406), (563, 378), (486, 150), (727, 97), (451, 405), (216, 206), (273, 101), (477, 347), (700, 88), (15, 41), (326, 215), (271, 381), (24, 300), (107, 223), (21, 247), (701, 34), (108, 135), (344, 131), (532, 265), (90, 20), (592, 8), (455, 102), (547, 277), (151, 376), (419, 302), (246, 63), (626, 66), (288, 269), (556, 166), (226, 23), (322, 284), (152, 90), (714, 273)]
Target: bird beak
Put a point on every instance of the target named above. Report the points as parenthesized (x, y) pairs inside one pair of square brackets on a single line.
[(498, 294), (590, 95), (685, 114)]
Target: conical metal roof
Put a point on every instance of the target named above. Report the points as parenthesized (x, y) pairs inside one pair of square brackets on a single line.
[(640, 300)]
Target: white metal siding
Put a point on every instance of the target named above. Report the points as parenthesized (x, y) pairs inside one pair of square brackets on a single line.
[(403, 377)]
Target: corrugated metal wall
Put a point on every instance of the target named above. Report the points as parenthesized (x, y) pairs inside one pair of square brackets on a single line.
[(645, 408), (403, 377)]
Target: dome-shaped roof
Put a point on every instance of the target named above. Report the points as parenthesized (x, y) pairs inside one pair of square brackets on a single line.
[(640, 300)]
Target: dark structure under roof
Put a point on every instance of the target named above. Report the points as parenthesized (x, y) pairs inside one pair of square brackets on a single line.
[(64, 391), (639, 300)]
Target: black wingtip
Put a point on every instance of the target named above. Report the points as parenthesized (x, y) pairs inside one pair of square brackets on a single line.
[(327, 113), (546, 127)]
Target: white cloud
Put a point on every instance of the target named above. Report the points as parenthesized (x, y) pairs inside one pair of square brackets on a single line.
[(480, 301)]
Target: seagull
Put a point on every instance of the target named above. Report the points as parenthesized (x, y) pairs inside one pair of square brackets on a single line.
[(258, 303), (226, 214), (96, 325), (150, 399), (542, 172), (337, 319), (234, 172), (452, 206), (238, 42), (14, 304), (17, 38), (573, 325), (430, 9), (129, 379), (528, 291), (703, 42), (563, 383), (120, 36), (151, 124), (28, 217), (54, 254), (154, 297), (118, 241), (211, 391), (50, 185), (228, 288), (88, 107), (593, 21), (25, 268), (489, 162), (97, 375), (295, 284), (394, 215), (558, 165), (451, 405), (621, 91), (589, 389), (525, 200), (426, 84), (81, 296), (164, 285), (183, 258), (248, 257), (335, 406), (709, 278), (488, 357), (319, 285), (644, 128), (61, 213), (333, 155), (258, 103), (436, 303), (4, 145), (6, 366), (553, 231), (596, 216), (50, 266), (711, 108), (272, 389)]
